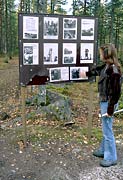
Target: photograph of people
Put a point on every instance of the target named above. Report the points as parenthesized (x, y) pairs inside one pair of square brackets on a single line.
[(50, 53), (70, 28), (51, 28), (86, 52), (78, 73), (30, 54), (55, 74), (87, 29), (69, 53), (59, 74)]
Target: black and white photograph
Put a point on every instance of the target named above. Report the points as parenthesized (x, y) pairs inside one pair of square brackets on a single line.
[(87, 29), (30, 27), (86, 53), (78, 73), (69, 53), (51, 28), (59, 74), (30, 54), (70, 28), (50, 53)]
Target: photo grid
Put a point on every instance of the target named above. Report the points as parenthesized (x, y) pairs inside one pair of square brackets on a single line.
[(50, 56)]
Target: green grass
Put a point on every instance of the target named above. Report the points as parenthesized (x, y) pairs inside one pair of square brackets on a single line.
[(37, 134)]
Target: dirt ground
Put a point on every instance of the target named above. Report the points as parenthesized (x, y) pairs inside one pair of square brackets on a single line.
[(49, 159), (54, 160)]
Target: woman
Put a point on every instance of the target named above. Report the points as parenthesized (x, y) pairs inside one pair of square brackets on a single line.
[(109, 87)]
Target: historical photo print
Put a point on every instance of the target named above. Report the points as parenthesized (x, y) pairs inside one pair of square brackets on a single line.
[(30, 27), (70, 28), (87, 29), (30, 54), (78, 73), (59, 74), (51, 28), (69, 53), (50, 53), (86, 53)]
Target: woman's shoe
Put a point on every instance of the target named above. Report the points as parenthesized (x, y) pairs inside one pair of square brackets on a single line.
[(97, 153), (107, 163)]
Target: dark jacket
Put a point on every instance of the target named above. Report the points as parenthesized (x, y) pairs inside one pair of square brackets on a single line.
[(109, 84)]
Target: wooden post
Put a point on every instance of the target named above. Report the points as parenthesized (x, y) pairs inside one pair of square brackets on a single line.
[(90, 109), (23, 92)]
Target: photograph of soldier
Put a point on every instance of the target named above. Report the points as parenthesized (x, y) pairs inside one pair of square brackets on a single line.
[(51, 28), (69, 28), (50, 53)]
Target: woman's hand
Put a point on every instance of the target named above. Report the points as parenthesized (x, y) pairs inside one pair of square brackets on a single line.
[(82, 74)]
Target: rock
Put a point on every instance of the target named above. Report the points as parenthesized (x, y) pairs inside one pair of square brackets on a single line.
[(57, 106), (59, 110)]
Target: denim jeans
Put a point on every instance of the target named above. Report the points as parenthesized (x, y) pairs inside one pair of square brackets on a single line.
[(108, 146)]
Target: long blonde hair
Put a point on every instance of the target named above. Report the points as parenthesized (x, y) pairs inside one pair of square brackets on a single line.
[(109, 54)]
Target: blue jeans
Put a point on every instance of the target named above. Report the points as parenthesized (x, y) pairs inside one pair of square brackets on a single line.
[(108, 146)]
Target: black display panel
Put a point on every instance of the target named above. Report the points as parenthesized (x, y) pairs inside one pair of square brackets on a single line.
[(56, 48)]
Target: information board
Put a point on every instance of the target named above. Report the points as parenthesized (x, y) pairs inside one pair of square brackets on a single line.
[(56, 48)]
